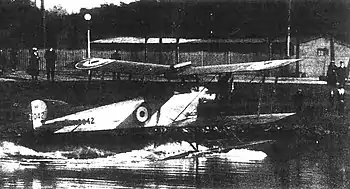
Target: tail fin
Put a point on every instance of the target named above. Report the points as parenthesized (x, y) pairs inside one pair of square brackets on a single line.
[(38, 113)]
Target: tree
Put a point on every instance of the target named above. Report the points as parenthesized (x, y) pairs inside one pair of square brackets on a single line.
[(22, 19), (55, 27), (148, 18)]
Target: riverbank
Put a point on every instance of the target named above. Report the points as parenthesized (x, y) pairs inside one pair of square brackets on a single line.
[(77, 75)]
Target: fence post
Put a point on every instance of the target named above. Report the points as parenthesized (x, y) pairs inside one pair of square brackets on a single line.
[(202, 52)]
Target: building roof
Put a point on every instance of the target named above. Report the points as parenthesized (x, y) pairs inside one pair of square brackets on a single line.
[(312, 38), (238, 40), (140, 40), (153, 40)]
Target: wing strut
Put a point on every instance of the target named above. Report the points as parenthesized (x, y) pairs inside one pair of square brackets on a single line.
[(89, 73), (261, 92), (274, 93)]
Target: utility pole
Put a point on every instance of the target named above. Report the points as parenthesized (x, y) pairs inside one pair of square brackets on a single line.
[(297, 55), (177, 32), (332, 54), (161, 21), (289, 20), (42, 7)]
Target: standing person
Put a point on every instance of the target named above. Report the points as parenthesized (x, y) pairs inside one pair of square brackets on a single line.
[(2, 62), (14, 58), (332, 81), (116, 56), (298, 99), (33, 68), (224, 87), (51, 57), (341, 76)]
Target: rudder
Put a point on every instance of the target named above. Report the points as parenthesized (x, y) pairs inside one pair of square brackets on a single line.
[(38, 113)]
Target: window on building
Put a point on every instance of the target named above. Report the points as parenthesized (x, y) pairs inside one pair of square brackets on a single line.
[(322, 52)]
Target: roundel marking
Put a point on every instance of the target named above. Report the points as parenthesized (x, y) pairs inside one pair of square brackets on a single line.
[(92, 63), (142, 114)]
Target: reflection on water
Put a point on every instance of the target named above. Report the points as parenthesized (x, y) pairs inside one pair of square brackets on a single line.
[(287, 164), (191, 172), (23, 167)]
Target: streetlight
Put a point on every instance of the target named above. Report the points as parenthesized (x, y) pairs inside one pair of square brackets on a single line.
[(87, 17)]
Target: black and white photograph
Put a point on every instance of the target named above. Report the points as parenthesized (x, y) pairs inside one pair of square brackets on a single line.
[(174, 94)]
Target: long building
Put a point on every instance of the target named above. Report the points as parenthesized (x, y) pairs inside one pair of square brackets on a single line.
[(315, 52)]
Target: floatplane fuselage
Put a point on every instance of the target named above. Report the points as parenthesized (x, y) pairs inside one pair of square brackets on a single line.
[(182, 110)]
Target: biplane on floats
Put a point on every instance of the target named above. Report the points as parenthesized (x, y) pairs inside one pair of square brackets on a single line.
[(182, 110)]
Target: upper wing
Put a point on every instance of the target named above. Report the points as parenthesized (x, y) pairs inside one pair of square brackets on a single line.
[(142, 68), (112, 65), (239, 67)]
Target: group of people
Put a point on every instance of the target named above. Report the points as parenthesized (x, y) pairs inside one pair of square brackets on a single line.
[(336, 81), (33, 67)]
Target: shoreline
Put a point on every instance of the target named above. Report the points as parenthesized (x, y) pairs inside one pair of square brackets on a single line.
[(80, 76)]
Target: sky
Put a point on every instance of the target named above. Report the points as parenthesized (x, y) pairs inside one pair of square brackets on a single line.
[(73, 6)]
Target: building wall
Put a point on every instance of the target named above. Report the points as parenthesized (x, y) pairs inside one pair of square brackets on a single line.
[(314, 64), (342, 53)]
